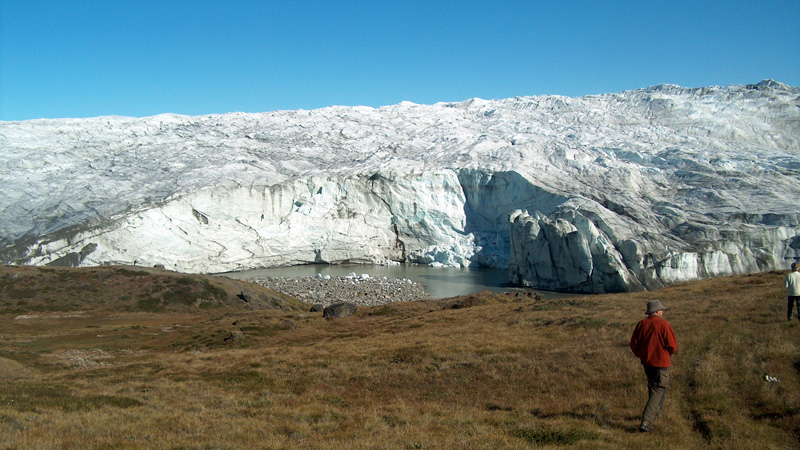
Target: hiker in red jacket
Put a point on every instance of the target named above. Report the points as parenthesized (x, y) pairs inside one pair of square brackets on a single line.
[(652, 342)]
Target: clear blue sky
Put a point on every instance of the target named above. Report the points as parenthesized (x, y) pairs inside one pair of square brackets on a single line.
[(72, 58)]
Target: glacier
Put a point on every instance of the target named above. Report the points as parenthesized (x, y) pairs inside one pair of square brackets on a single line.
[(604, 193)]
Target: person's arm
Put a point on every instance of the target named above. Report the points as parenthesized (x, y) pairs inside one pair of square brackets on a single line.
[(672, 341), (636, 339)]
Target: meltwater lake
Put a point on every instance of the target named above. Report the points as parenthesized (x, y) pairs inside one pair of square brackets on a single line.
[(440, 282)]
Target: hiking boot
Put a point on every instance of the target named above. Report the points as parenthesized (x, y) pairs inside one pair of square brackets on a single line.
[(646, 427)]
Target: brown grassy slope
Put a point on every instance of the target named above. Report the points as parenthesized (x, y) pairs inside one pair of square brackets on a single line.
[(127, 288), (498, 372)]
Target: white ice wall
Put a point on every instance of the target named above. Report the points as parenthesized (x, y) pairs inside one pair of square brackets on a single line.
[(628, 190)]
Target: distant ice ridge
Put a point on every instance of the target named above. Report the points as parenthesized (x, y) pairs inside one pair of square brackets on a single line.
[(613, 192)]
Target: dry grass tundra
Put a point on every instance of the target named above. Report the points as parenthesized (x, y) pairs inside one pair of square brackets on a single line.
[(124, 357)]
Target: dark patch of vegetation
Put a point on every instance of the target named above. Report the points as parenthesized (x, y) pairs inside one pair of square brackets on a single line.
[(383, 311), (214, 291), (132, 273), (557, 304), (408, 355), (246, 379), (201, 293), (584, 322), (209, 339), (592, 323), (179, 296), (96, 401), (17, 294), (552, 437), (260, 331), (35, 397), (150, 305)]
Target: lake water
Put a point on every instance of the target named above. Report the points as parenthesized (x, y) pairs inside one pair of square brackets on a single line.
[(440, 281)]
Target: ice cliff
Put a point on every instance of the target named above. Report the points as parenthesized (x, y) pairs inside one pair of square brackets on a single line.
[(611, 192)]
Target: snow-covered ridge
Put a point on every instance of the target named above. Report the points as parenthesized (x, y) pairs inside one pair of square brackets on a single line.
[(659, 182)]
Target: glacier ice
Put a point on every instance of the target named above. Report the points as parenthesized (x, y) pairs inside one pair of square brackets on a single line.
[(614, 192)]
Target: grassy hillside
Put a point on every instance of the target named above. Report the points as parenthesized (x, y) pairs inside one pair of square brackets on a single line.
[(492, 371), (26, 289)]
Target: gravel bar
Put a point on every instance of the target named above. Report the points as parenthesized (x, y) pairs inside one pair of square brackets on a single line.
[(361, 290)]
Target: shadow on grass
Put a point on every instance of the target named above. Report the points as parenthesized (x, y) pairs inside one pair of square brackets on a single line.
[(629, 424), (544, 436)]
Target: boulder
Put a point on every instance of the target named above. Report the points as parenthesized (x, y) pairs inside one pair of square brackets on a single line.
[(339, 310), (234, 337)]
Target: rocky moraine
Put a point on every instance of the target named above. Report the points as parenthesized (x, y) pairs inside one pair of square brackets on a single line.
[(361, 290)]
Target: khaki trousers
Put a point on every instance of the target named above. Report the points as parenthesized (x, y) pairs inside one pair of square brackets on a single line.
[(657, 384)]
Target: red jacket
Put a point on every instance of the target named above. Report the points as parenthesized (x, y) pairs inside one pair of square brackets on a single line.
[(653, 341)]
